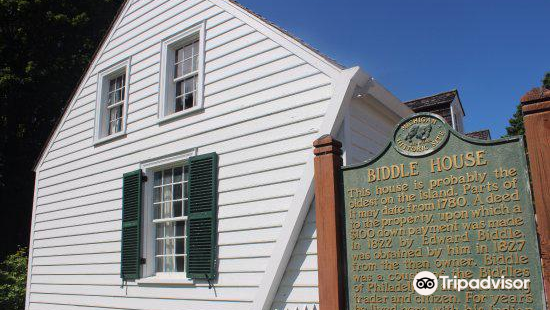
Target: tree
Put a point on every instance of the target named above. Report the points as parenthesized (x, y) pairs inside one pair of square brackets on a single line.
[(45, 45), (516, 122), (13, 279)]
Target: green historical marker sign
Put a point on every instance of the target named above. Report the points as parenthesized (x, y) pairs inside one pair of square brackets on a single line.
[(456, 208)]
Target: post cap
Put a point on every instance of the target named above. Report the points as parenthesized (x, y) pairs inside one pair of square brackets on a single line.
[(326, 144), (536, 99)]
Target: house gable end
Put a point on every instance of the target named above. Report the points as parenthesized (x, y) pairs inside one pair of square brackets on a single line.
[(130, 34)]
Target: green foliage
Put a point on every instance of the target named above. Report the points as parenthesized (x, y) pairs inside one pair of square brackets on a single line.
[(45, 46), (13, 279), (516, 124)]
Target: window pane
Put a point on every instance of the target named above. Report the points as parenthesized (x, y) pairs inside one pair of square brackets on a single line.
[(195, 63), (167, 192), (188, 51), (177, 209), (179, 104), (169, 246), (187, 66), (189, 100), (156, 194), (112, 84), (185, 187), (185, 173), (179, 89), (189, 85), (178, 70), (177, 191), (113, 114), (166, 210), (179, 55), (169, 230), (160, 230), (180, 246), (167, 176), (119, 95), (169, 264), (157, 209), (160, 247), (180, 228), (180, 264), (159, 264), (177, 174), (158, 178)]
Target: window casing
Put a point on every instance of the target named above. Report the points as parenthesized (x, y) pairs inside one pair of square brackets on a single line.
[(163, 220), (112, 102), (182, 71)]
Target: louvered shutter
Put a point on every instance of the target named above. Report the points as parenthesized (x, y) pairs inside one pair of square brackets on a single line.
[(202, 216), (131, 225)]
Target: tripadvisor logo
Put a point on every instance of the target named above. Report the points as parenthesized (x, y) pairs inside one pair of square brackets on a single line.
[(426, 283)]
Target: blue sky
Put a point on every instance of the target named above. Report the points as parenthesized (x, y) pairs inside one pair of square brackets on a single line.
[(492, 51)]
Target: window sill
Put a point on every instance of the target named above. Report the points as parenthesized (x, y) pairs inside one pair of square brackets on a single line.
[(180, 114), (160, 280), (112, 137)]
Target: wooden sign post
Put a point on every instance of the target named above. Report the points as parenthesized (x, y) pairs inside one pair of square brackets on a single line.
[(536, 111), (328, 161)]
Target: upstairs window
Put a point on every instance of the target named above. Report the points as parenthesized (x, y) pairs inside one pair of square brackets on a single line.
[(182, 67), (115, 103), (186, 75), (112, 102)]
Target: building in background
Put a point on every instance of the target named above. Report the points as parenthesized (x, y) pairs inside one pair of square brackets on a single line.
[(449, 106)]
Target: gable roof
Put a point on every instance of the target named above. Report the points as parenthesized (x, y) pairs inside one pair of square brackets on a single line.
[(284, 31), (110, 29), (434, 101), (484, 134)]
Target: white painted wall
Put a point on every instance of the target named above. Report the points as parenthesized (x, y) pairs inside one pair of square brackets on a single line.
[(365, 131), (265, 100), (264, 104)]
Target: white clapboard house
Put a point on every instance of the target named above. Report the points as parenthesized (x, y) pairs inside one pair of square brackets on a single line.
[(180, 175)]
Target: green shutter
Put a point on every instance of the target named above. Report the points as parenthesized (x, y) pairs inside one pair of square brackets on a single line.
[(202, 217), (131, 225)]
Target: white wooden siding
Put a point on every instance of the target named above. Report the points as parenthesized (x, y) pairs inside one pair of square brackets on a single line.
[(369, 128), (365, 130), (298, 287), (263, 108)]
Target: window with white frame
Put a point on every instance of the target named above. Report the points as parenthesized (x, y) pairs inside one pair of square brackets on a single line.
[(115, 103), (170, 217), (186, 75), (182, 68), (112, 102)]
